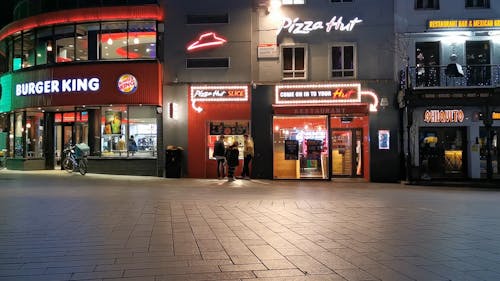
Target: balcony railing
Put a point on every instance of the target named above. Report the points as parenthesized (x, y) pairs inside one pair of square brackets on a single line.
[(454, 76), (27, 8)]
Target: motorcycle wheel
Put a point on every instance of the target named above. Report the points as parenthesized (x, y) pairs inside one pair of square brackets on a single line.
[(68, 165), (82, 166)]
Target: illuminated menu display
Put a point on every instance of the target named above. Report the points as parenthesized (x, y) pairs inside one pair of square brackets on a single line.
[(457, 24), (327, 93)]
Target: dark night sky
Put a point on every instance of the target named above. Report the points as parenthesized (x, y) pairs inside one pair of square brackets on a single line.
[(6, 9)]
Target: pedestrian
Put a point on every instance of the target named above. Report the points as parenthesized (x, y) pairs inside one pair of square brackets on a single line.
[(232, 157), (248, 153), (132, 145), (219, 155)]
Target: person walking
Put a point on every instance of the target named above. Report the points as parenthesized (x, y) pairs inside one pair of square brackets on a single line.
[(248, 153), (132, 145), (219, 155), (232, 157)]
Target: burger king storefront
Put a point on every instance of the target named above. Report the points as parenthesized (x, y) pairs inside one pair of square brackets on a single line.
[(103, 105)]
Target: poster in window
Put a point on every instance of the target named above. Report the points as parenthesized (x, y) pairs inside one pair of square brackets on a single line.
[(291, 150), (229, 127), (384, 139), (113, 123)]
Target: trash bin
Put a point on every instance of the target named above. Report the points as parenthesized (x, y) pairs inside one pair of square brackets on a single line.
[(173, 162)]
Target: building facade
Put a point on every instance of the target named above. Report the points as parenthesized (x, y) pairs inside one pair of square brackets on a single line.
[(449, 101), (312, 82), (82, 73), (302, 79)]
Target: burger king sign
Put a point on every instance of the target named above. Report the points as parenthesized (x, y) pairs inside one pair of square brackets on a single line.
[(127, 84)]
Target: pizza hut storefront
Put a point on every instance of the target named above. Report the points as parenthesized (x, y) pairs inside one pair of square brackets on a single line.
[(321, 131), (101, 105)]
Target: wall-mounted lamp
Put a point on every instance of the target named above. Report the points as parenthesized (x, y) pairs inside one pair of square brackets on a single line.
[(49, 46), (384, 102), (173, 110)]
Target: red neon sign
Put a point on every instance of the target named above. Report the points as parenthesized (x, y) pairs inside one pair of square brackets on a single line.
[(206, 40)]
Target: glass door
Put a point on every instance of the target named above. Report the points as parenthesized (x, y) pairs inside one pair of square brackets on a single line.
[(63, 136), (346, 147)]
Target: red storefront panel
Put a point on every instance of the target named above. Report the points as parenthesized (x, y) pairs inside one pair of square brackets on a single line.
[(199, 166), (147, 89)]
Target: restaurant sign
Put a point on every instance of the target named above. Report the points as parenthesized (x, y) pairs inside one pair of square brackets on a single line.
[(444, 116), (463, 23), (223, 93), (321, 93)]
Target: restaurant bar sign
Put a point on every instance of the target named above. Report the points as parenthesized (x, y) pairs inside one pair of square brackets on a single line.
[(223, 93), (320, 93), (464, 23), (444, 116), (76, 85)]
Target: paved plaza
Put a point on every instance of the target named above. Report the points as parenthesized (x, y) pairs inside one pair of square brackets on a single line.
[(58, 226)]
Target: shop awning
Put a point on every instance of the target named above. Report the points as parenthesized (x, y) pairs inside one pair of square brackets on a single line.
[(319, 109)]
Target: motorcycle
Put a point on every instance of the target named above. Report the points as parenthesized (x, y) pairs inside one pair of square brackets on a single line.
[(75, 158)]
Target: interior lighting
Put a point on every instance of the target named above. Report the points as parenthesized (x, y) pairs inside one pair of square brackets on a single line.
[(136, 40), (49, 46), (110, 41)]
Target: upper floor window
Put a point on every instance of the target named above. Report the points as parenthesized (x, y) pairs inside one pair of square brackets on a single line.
[(292, 2), (427, 4), (80, 42), (294, 62), (207, 19), (477, 3), (343, 61)]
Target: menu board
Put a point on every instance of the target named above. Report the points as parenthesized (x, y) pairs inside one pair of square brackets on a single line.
[(314, 146), (291, 150)]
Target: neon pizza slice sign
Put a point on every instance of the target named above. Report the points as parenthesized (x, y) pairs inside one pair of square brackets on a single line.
[(206, 40)]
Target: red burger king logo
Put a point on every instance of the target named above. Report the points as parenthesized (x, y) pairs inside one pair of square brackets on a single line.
[(127, 84)]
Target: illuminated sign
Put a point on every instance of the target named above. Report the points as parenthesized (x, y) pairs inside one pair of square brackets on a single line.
[(296, 26), (320, 93), (444, 116), (127, 84), (495, 115), (457, 24), (206, 40), (228, 93), (58, 86)]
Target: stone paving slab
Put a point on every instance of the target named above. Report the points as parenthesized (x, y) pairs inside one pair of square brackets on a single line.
[(55, 226)]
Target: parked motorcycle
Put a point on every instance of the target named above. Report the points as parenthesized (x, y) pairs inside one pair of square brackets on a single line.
[(75, 158)]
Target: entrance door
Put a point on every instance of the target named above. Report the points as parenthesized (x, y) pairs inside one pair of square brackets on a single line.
[(63, 137), (347, 156)]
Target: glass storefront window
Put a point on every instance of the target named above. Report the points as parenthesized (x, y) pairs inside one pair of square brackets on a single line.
[(4, 137), (18, 135), (87, 44), (483, 151), (232, 131), (300, 147), (442, 152), (28, 49), (65, 43), (113, 40), (142, 40), (34, 135), (142, 126), (17, 55), (44, 46), (113, 128), (11, 135)]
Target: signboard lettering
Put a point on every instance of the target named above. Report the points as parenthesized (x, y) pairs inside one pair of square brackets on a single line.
[(321, 94), (58, 86), (444, 116), (296, 26), (454, 24)]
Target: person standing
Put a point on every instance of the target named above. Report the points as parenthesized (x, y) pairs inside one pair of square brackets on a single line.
[(132, 145), (248, 153), (219, 155), (232, 156)]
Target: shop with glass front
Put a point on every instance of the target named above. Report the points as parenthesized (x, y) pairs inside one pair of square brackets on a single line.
[(113, 108), (320, 132), (215, 110)]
